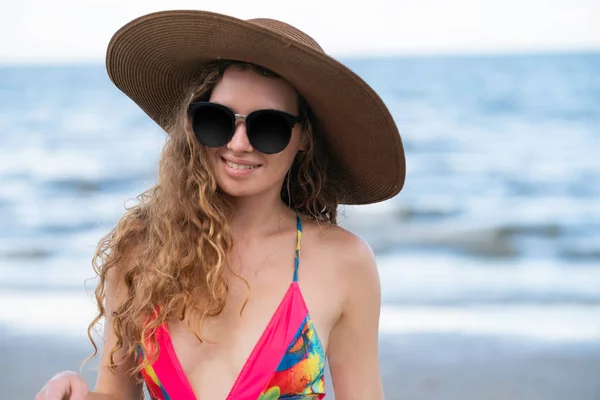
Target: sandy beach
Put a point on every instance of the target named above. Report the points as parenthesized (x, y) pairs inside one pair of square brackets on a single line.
[(427, 367)]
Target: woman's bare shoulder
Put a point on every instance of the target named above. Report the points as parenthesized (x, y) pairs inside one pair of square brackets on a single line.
[(342, 248)]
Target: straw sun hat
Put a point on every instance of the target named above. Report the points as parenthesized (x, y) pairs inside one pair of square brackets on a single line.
[(154, 58)]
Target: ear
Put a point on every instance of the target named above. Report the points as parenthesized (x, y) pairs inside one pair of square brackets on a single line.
[(302, 145)]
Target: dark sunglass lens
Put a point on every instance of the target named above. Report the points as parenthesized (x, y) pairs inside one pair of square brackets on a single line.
[(269, 132), (212, 125)]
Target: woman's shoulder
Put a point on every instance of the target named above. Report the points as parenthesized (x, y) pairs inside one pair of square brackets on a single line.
[(345, 250), (345, 267)]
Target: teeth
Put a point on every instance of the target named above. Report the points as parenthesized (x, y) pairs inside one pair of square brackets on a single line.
[(239, 166)]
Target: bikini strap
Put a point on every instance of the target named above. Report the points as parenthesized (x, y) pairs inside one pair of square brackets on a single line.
[(297, 253)]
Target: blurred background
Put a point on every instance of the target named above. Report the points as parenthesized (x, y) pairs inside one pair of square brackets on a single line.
[(489, 257)]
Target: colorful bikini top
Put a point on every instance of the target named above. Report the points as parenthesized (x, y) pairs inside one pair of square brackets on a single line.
[(287, 362)]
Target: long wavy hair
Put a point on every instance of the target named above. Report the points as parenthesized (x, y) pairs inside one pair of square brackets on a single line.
[(170, 249)]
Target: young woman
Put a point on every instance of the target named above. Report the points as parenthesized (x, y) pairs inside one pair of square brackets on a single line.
[(230, 279)]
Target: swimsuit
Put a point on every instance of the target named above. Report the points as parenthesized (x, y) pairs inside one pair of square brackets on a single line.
[(287, 362)]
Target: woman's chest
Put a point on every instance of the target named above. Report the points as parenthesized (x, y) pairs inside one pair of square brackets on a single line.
[(270, 322)]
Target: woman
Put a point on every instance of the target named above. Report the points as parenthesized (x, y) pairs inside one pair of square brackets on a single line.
[(230, 279)]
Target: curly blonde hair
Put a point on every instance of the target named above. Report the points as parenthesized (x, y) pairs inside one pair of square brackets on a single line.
[(178, 236)]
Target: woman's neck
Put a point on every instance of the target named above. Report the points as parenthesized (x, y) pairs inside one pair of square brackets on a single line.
[(256, 216)]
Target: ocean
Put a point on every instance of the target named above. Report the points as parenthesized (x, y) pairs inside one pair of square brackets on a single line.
[(496, 231)]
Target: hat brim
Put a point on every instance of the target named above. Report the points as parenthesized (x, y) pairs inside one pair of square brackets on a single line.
[(153, 59)]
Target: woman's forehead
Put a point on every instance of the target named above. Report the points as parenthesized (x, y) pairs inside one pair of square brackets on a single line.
[(245, 90)]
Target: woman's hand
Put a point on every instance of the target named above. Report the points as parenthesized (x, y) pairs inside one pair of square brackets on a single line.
[(66, 385)]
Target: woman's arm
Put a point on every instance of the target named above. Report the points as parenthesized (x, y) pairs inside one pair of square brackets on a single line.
[(110, 386), (115, 385), (353, 347)]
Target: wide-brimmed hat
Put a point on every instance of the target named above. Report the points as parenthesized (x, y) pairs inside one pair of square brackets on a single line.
[(154, 58)]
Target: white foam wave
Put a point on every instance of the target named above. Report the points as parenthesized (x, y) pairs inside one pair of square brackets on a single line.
[(559, 322), (443, 280), (47, 312), (70, 313)]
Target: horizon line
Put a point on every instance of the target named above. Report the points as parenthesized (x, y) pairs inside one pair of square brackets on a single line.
[(426, 54)]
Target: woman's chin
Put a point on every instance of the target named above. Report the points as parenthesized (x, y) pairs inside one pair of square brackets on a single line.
[(239, 189)]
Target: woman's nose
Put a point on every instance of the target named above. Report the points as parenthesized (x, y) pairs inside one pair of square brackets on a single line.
[(239, 142)]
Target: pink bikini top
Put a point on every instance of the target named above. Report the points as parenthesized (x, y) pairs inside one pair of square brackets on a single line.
[(287, 362)]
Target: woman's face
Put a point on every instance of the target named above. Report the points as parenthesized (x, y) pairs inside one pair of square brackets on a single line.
[(244, 91)]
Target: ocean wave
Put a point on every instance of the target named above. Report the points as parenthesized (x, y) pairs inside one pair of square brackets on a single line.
[(442, 280)]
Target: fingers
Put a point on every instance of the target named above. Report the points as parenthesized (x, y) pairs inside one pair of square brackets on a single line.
[(41, 394), (79, 389), (54, 390), (64, 386)]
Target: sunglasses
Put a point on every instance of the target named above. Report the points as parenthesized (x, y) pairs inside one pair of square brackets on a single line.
[(268, 131)]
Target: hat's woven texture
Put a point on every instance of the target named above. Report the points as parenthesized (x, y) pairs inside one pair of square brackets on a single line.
[(153, 60)]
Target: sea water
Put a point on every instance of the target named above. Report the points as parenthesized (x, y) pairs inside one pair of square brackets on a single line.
[(496, 231)]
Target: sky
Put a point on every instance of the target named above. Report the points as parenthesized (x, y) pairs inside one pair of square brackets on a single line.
[(66, 31)]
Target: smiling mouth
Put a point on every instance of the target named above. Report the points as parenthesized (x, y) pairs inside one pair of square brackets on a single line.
[(236, 166)]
